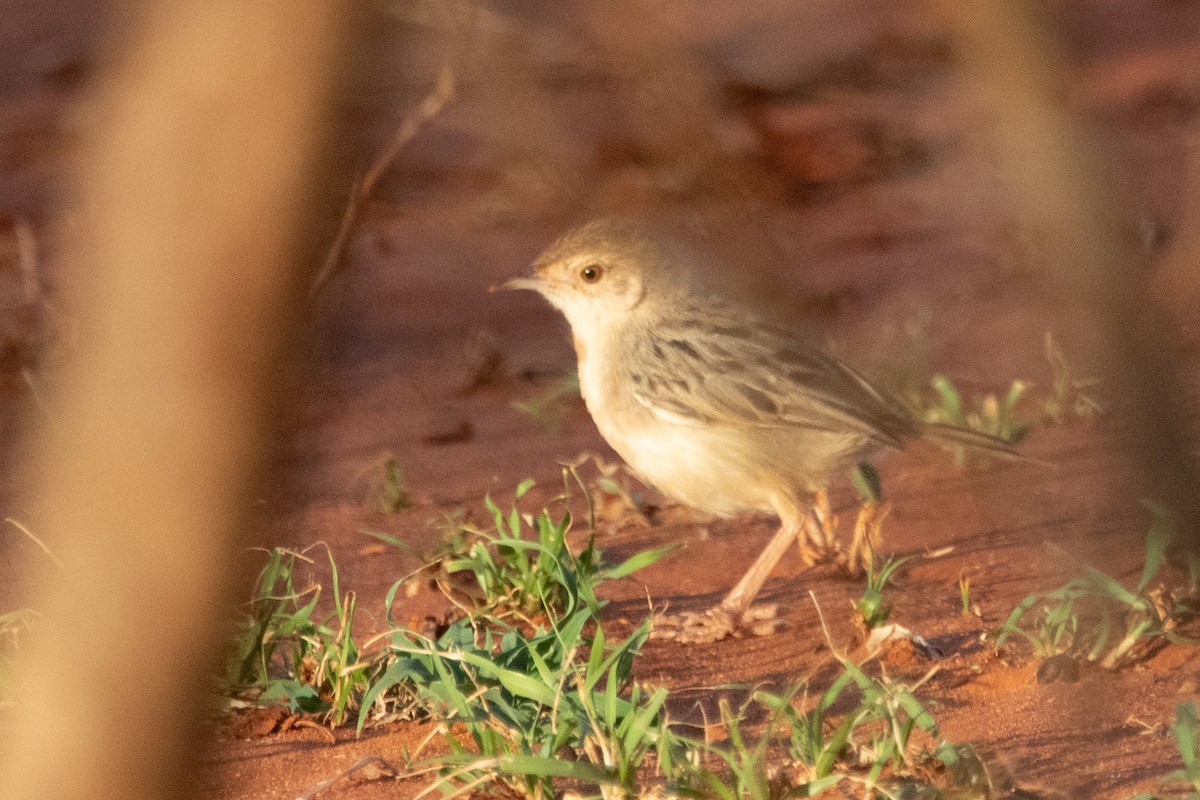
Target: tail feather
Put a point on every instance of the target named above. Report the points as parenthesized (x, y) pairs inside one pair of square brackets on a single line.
[(952, 435)]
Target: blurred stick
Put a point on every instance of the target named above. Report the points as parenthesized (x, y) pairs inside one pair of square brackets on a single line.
[(30, 535), (1061, 185), (195, 182), (27, 253), (413, 123)]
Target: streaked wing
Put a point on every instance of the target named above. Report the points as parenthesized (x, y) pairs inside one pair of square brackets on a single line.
[(712, 369)]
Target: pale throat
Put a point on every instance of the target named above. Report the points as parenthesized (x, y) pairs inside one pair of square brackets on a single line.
[(590, 335)]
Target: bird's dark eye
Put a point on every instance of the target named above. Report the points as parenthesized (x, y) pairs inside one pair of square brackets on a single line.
[(591, 273)]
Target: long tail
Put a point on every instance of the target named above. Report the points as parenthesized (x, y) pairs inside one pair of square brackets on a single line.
[(951, 435)]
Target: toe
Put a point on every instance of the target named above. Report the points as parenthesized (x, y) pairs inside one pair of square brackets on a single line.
[(717, 623)]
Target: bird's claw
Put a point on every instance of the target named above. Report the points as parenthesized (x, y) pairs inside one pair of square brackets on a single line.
[(868, 534), (819, 543), (818, 538)]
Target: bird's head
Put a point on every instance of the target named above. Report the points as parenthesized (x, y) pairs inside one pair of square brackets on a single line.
[(605, 270)]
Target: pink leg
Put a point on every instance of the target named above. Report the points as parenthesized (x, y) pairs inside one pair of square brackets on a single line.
[(735, 609)]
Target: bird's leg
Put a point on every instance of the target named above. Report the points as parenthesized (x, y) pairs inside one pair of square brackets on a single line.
[(723, 618), (809, 540), (826, 520), (868, 535), (746, 589), (818, 539)]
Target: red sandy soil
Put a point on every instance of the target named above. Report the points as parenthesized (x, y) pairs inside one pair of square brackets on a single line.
[(829, 152)]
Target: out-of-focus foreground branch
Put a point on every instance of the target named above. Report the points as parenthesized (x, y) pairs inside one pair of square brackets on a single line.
[(1062, 185), (194, 188)]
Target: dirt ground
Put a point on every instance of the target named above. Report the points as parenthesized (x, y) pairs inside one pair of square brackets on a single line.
[(832, 156)]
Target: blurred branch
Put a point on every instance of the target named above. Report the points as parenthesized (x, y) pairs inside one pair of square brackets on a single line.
[(1063, 185), (27, 253), (412, 124), (195, 181)]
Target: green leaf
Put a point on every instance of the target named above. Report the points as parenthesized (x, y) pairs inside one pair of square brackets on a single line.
[(815, 788), (866, 482), (643, 718), (1186, 732), (595, 670), (610, 694), (1013, 396), (497, 514), (1158, 538), (571, 632), (1113, 588), (951, 402), (832, 750), (518, 683), (639, 561), (917, 713), (388, 539), (297, 696)]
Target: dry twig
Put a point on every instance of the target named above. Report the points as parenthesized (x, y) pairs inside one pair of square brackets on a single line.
[(380, 770), (23, 529), (414, 121)]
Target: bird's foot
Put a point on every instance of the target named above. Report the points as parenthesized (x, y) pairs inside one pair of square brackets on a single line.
[(716, 623), (868, 535), (818, 537), (812, 554)]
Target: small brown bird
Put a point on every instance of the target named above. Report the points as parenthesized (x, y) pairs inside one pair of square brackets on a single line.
[(711, 405)]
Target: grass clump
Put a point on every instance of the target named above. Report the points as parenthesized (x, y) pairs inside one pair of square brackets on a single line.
[(1096, 618), (871, 609), (522, 567), (885, 744), (532, 698), (559, 710), (557, 705), (549, 408), (1011, 414), (288, 652), (527, 673), (996, 415), (388, 490), (384, 487)]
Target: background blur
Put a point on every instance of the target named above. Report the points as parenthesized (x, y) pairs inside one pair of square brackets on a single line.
[(840, 158)]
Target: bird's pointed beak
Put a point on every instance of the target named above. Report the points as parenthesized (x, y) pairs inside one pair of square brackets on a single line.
[(533, 282)]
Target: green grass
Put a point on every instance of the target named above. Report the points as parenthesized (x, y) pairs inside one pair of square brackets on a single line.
[(872, 609), (1011, 414), (993, 414), (288, 652), (522, 566), (549, 408), (1094, 617), (559, 704), (532, 697), (964, 594), (1186, 734), (884, 744), (559, 710), (388, 491), (527, 673)]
